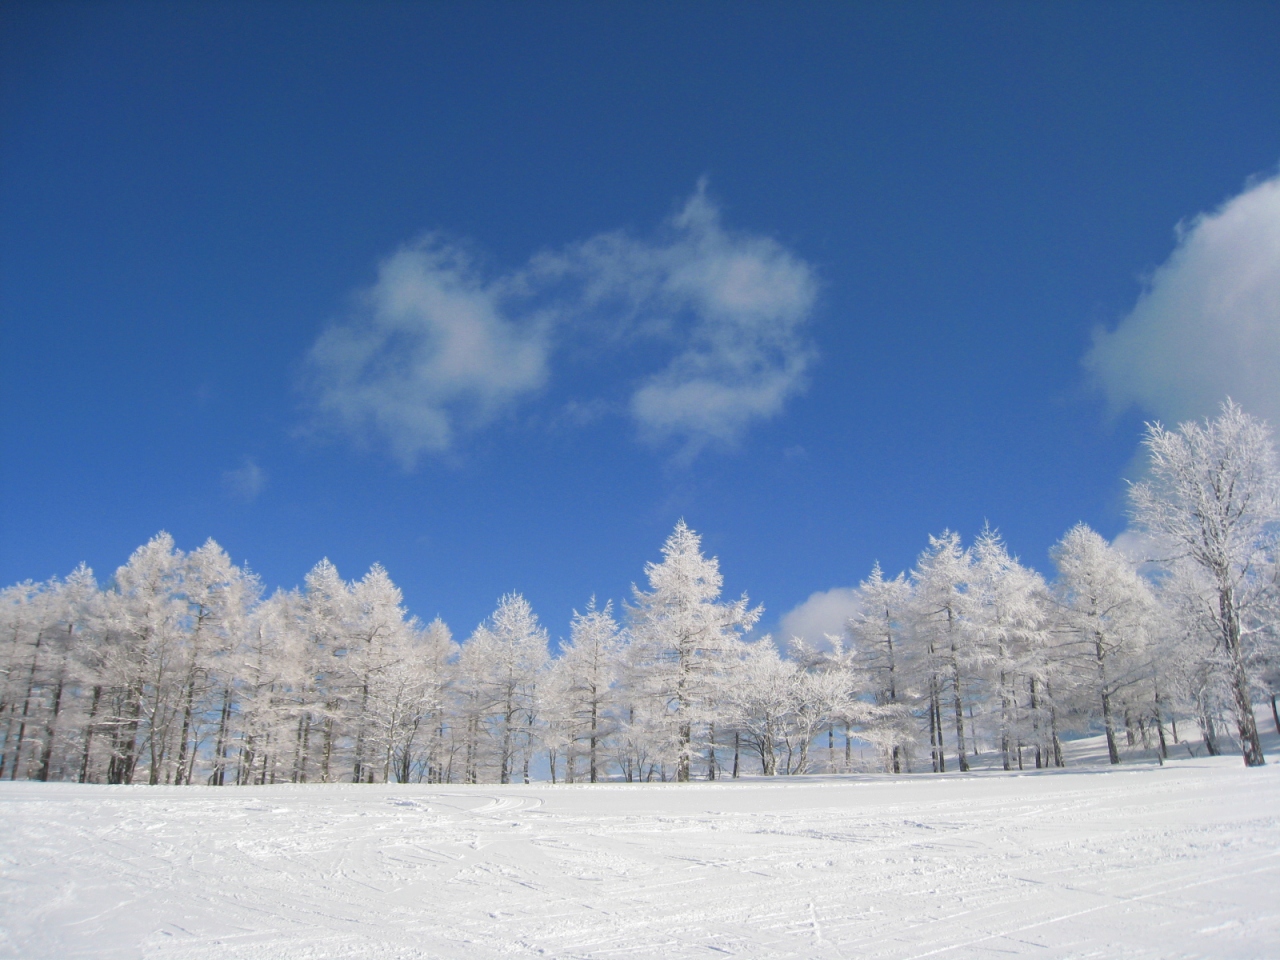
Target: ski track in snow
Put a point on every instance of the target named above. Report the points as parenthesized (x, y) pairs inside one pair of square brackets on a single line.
[(1175, 862)]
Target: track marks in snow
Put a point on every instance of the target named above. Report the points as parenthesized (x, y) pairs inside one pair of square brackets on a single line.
[(1145, 864)]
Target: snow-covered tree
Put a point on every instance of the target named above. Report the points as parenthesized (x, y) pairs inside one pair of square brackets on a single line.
[(1214, 498), (326, 614), (26, 618), (219, 596), (941, 622), (73, 614), (877, 633), (760, 701), (145, 616), (1008, 618), (684, 641), (422, 682), (379, 636), (583, 678), (1106, 609), (499, 670)]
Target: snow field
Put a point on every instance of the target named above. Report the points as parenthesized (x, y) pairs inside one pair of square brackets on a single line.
[(1179, 861)]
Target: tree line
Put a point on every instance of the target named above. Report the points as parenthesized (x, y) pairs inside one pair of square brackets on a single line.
[(180, 670)]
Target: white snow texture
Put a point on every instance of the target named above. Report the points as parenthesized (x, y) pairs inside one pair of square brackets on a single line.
[(1140, 861)]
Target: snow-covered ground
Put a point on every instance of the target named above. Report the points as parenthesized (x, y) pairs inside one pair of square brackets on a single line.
[(1142, 861)]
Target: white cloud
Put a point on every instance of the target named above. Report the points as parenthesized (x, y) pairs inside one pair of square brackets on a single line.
[(734, 304), (825, 612), (434, 348), (429, 350), (1208, 325), (245, 482)]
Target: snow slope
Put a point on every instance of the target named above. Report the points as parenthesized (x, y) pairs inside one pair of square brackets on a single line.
[(1179, 861)]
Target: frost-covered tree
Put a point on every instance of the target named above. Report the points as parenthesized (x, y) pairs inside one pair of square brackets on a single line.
[(261, 725), (1008, 617), (178, 672), (1267, 645), (423, 681), (1106, 608), (941, 622), (760, 701), (1214, 497), (778, 706), (684, 642), (499, 670), (326, 614), (26, 615), (822, 696), (73, 614), (379, 636), (145, 617), (583, 679), (877, 633), (219, 597)]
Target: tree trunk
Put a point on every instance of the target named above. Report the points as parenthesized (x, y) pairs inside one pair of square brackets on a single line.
[(1006, 716), (1113, 751), (357, 769), (51, 727), (1207, 732), (88, 733), (591, 773), (26, 707), (955, 689), (528, 746), (683, 761), (298, 739), (219, 777), (188, 701), (328, 749), (711, 753), (1158, 713), (124, 741), (1250, 743), (935, 726)]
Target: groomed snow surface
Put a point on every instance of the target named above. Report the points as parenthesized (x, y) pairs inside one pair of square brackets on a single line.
[(1140, 861)]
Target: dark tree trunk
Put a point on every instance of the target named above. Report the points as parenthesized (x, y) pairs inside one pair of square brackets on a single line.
[(1108, 721), (51, 728), (219, 777), (88, 733), (594, 741), (26, 707), (955, 687), (1207, 731), (1250, 743)]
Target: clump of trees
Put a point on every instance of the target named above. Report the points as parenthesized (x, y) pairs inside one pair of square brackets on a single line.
[(179, 670)]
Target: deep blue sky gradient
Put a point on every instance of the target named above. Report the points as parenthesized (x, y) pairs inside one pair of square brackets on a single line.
[(188, 193)]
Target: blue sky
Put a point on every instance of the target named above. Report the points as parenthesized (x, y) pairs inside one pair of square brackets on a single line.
[(493, 294)]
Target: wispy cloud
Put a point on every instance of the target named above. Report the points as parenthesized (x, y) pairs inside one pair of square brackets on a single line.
[(434, 348), (429, 348), (246, 482), (733, 304), (1208, 324)]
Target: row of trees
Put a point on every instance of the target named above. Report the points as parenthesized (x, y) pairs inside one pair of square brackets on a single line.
[(180, 671)]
